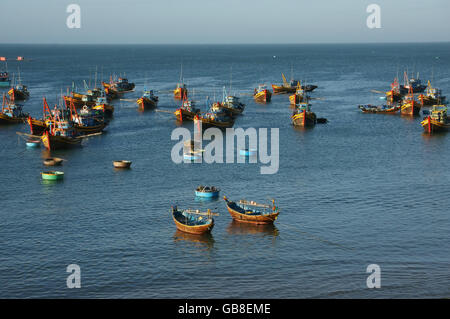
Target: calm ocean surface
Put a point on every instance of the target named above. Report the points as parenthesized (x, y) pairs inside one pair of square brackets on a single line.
[(362, 189)]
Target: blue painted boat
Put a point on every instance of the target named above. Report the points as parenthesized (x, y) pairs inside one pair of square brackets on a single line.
[(207, 191), (247, 152)]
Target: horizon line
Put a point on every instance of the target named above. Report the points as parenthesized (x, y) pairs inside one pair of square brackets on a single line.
[(284, 43)]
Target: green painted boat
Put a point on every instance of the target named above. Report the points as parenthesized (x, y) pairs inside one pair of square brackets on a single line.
[(52, 175)]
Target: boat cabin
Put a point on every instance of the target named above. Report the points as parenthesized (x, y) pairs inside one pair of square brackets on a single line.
[(439, 113)]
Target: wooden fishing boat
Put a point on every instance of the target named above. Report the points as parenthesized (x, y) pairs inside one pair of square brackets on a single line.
[(379, 109), (39, 126), (207, 191), (55, 142), (147, 101), (61, 133), (187, 111), (106, 109), (394, 95), (252, 212), (291, 87), (11, 113), (120, 86), (19, 93), (112, 94), (262, 94), (52, 175), (414, 84), (299, 96), (180, 91), (87, 121), (193, 221), (303, 116), (437, 121), (409, 105), (433, 96), (87, 100), (214, 118)]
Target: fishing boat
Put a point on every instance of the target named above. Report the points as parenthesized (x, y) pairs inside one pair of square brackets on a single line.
[(65, 140), (299, 96), (87, 121), (103, 106), (180, 91), (291, 87), (187, 111), (414, 84), (19, 92), (61, 133), (232, 104), (252, 212), (11, 112), (433, 96), (147, 101), (39, 126), (216, 117), (52, 175), (380, 109), (262, 94), (207, 191), (409, 106), (193, 221), (81, 100), (437, 121), (394, 95), (120, 86), (303, 116)]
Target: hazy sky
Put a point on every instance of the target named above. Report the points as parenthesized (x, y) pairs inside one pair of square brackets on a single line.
[(225, 21)]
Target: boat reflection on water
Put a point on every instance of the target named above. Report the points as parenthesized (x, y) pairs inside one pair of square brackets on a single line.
[(236, 228), (205, 240), (206, 199)]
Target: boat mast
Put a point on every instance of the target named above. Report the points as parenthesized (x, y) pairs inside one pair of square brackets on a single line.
[(231, 77)]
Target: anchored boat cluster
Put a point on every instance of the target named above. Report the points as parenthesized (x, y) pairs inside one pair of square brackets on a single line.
[(412, 98), (196, 222)]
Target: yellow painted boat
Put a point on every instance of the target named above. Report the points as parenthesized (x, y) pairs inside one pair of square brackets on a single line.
[(437, 121), (262, 94)]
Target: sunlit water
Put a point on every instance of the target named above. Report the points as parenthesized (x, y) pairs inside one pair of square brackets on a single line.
[(362, 189)]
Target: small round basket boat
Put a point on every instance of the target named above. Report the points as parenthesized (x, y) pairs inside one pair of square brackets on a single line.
[(52, 175), (207, 191), (122, 164), (53, 161), (33, 143)]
